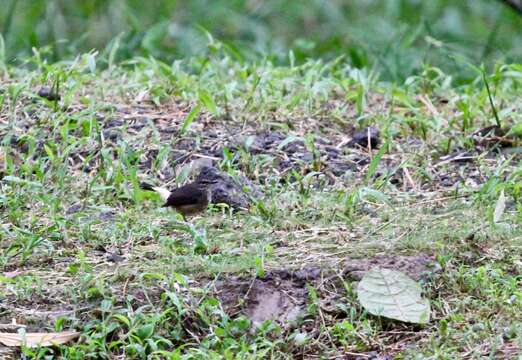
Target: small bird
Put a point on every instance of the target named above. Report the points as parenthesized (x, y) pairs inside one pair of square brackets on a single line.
[(188, 199)]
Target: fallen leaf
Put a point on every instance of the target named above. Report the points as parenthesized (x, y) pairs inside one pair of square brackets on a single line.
[(13, 274), (392, 294), (37, 339)]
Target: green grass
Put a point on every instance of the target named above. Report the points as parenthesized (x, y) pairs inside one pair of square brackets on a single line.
[(69, 198), (395, 37)]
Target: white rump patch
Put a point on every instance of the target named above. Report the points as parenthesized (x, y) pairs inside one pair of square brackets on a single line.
[(163, 193)]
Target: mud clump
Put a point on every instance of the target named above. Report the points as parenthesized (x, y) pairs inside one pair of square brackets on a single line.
[(280, 296), (48, 93), (227, 190), (265, 141), (270, 302), (418, 267), (361, 138)]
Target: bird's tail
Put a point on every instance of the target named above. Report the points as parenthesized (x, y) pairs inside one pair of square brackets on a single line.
[(163, 193), (146, 186)]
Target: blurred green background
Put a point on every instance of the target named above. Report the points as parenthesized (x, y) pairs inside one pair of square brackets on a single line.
[(392, 37)]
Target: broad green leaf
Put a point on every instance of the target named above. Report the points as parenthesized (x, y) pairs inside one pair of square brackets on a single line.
[(123, 319), (145, 331), (374, 163), (289, 139), (392, 294), (17, 180), (206, 99), (49, 152), (91, 62), (114, 49), (181, 279), (516, 130), (369, 192)]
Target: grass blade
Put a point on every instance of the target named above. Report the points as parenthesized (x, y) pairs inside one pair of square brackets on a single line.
[(190, 118), (491, 99), (374, 163), (206, 99)]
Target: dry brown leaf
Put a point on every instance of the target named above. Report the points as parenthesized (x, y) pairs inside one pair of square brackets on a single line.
[(37, 339), (13, 274)]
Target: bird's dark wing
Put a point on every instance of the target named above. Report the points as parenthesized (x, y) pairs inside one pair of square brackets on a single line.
[(186, 195), (146, 186)]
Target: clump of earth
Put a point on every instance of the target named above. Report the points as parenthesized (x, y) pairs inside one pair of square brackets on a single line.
[(236, 193), (418, 267), (279, 296)]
